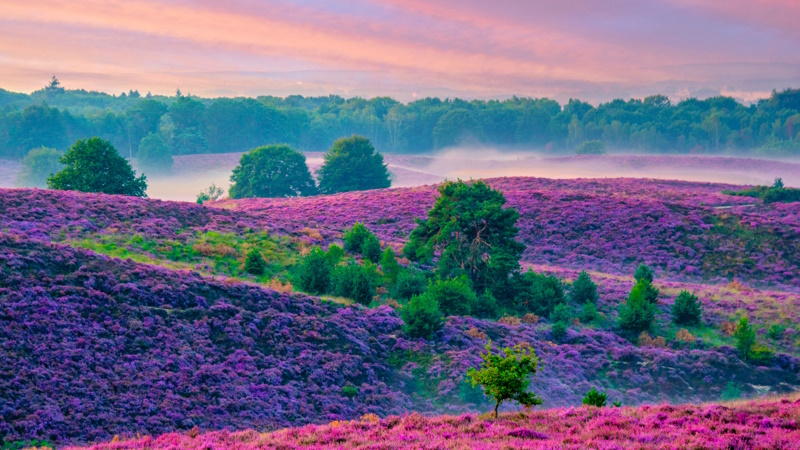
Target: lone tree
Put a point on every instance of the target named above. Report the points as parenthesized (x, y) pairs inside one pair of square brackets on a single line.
[(93, 165), (352, 164), (638, 313), (468, 228), (687, 309), (37, 165), (272, 171), (154, 156), (507, 376)]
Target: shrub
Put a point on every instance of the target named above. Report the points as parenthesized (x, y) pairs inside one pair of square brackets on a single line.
[(153, 155), (486, 307), (93, 165), (561, 313), (731, 392), (538, 294), (507, 376), (272, 171), (314, 274), (588, 313), (559, 330), (637, 313), (334, 255), (595, 398), (355, 236), (745, 337), (422, 317), (760, 354), (212, 193), (643, 273), (530, 318), (409, 283), (389, 265), (371, 248), (593, 147), (355, 282), (776, 331), (255, 264), (646, 341), (352, 164), (349, 391), (454, 296), (37, 166), (513, 321), (584, 290), (687, 309), (684, 336)]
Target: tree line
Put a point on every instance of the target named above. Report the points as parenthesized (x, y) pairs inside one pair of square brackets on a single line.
[(55, 117)]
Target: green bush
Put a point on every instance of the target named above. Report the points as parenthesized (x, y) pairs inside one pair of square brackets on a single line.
[(486, 307), (409, 283), (314, 274), (588, 313), (212, 193), (643, 272), (335, 254), (355, 236), (422, 317), (255, 264), (559, 330), (584, 290), (355, 282), (761, 354), (349, 391), (371, 248), (687, 309), (595, 398), (455, 297), (776, 331), (638, 313), (389, 265), (745, 337), (561, 313), (539, 294)]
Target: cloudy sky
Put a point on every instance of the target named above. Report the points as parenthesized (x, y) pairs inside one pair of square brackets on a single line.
[(590, 49)]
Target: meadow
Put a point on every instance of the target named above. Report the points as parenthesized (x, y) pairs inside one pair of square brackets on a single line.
[(125, 315)]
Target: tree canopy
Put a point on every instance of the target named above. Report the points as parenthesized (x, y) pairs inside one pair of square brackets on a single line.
[(353, 164), (506, 376), (272, 171), (93, 165)]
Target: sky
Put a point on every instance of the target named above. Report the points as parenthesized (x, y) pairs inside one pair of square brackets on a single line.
[(589, 49)]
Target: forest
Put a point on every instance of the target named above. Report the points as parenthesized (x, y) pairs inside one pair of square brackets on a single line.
[(55, 117)]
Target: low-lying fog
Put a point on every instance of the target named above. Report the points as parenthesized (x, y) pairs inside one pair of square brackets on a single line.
[(194, 173)]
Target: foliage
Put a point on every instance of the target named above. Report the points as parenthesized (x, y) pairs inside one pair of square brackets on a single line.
[(731, 392), (468, 227), (769, 194), (486, 307), (315, 271), (559, 330), (593, 147), (93, 165), (389, 265), (745, 337), (39, 164), (643, 273), (637, 313), (272, 171), (506, 376), (687, 309), (212, 193), (454, 296), (538, 293), (588, 313), (561, 313), (583, 289), (761, 354), (409, 283), (153, 156), (352, 164), (349, 391), (776, 331), (354, 281), (595, 398), (371, 248), (422, 317), (355, 236), (255, 264)]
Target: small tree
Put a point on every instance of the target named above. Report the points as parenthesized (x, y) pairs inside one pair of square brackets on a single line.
[(212, 193), (93, 165), (637, 314), (389, 265), (584, 290), (559, 330), (644, 276), (455, 297), (506, 376), (422, 317), (355, 282), (643, 272), (315, 272), (153, 155), (272, 171), (355, 236), (595, 398), (561, 313), (588, 313), (409, 283), (371, 248), (687, 309), (254, 263), (39, 164), (538, 293), (745, 337), (352, 164)]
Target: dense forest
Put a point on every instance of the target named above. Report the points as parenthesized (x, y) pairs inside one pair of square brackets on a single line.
[(56, 117)]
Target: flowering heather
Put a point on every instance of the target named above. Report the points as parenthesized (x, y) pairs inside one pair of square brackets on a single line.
[(752, 425), (93, 347)]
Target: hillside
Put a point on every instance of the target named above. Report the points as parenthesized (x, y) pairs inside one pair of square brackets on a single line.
[(169, 334), (744, 425)]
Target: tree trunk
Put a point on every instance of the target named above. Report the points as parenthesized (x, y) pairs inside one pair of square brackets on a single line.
[(495, 408)]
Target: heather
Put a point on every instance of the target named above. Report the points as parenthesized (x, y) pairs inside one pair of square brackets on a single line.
[(147, 349), (753, 425)]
